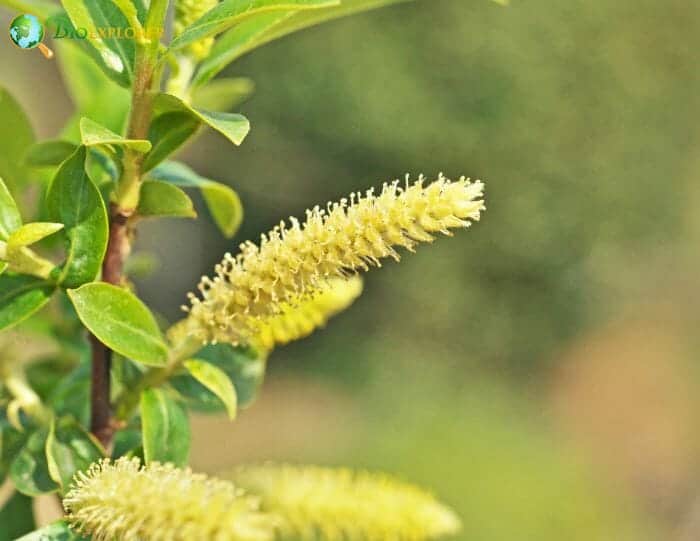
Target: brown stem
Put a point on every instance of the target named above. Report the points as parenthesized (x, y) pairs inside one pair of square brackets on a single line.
[(101, 413), (102, 424)]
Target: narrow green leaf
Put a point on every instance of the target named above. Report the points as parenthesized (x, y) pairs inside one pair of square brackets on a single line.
[(265, 27), (10, 220), (20, 297), (231, 12), (243, 366), (163, 199), (49, 153), (16, 136), (73, 200), (57, 531), (94, 134), (223, 94), (168, 132), (225, 207), (233, 126), (30, 471), (31, 233), (3, 267), (166, 430), (16, 517), (216, 380), (69, 449), (222, 201), (120, 321), (98, 18)]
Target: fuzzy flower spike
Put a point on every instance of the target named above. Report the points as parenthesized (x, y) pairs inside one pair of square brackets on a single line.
[(297, 260), (125, 501), (341, 505)]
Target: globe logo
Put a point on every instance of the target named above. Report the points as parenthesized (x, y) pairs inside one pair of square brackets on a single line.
[(27, 32)]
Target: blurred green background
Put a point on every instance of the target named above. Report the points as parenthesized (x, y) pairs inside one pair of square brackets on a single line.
[(538, 371)]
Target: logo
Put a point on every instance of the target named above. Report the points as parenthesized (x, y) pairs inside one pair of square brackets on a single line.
[(27, 33)]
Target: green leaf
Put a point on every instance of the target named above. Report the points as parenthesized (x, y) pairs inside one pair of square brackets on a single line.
[(73, 200), (116, 52), (3, 267), (10, 219), (223, 94), (30, 470), (94, 134), (31, 233), (120, 321), (243, 366), (163, 199), (70, 449), (16, 136), (57, 531), (11, 442), (225, 207), (237, 42), (168, 132), (20, 297), (16, 517), (166, 430), (231, 12), (72, 394), (49, 153), (221, 200), (265, 27), (217, 381), (233, 126)]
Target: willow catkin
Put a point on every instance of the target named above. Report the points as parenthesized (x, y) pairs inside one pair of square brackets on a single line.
[(341, 505), (298, 320), (129, 502), (296, 260)]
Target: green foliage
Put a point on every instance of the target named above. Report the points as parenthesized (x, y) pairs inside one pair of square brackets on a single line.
[(230, 12), (20, 297), (121, 321), (16, 517), (217, 381), (16, 136), (29, 471), (222, 201), (163, 199), (166, 429), (69, 449), (73, 200)]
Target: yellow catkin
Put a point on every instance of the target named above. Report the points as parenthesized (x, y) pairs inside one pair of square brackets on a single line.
[(125, 501), (296, 260), (341, 505), (187, 12), (298, 320)]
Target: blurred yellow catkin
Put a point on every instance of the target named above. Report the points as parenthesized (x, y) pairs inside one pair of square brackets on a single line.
[(339, 505), (299, 319), (125, 501), (187, 12), (292, 262)]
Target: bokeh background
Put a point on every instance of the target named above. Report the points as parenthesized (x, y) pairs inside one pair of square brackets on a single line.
[(539, 371)]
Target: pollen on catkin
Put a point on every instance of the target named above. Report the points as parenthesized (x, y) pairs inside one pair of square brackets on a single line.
[(298, 320), (341, 505), (187, 12), (295, 260), (123, 500)]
